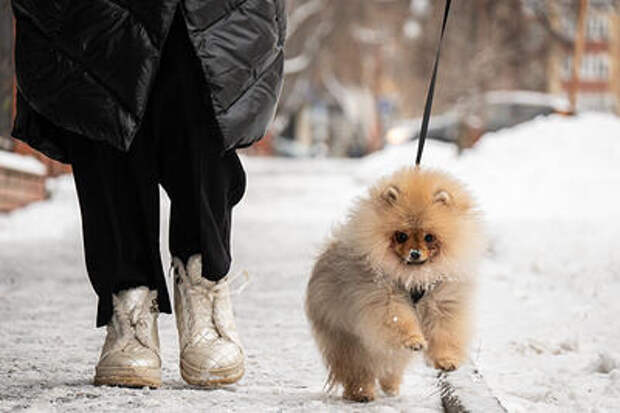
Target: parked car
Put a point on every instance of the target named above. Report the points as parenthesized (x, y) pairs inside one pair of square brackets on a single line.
[(465, 123)]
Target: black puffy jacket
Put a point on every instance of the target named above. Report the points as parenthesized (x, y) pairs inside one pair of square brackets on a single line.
[(87, 66)]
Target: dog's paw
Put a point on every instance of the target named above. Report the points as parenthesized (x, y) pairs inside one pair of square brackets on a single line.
[(390, 387), (391, 392), (359, 396), (446, 363), (415, 342)]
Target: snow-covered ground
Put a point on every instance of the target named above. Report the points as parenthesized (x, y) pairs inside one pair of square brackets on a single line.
[(548, 336), (21, 163)]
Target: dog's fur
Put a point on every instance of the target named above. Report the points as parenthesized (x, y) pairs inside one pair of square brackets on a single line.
[(359, 296)]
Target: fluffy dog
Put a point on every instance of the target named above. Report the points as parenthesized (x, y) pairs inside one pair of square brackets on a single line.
[(396, 278)]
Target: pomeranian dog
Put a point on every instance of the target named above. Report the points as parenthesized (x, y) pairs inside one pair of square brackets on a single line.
[(396, 278)]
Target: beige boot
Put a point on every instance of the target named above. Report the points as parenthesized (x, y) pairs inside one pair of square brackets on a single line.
[(130, 355), (211, 352)]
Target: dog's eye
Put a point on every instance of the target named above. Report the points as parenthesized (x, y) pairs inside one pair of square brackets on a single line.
[(429, 238), (401, 237)]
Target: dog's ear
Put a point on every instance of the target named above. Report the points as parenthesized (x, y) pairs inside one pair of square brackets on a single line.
[(443, 197), (391, 194)]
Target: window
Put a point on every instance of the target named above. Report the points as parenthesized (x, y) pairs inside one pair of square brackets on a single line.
[(594, 67), (598, 27)]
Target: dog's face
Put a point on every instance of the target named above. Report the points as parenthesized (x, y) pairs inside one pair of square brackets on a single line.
[(416, 226), (416, 236), (415, 246)]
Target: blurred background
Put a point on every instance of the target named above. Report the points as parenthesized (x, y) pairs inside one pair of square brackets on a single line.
[(357, 74)]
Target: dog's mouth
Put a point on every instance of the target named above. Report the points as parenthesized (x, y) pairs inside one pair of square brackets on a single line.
[(408, 262)]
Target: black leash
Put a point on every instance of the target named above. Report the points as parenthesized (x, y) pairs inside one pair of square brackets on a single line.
[(431, 89)]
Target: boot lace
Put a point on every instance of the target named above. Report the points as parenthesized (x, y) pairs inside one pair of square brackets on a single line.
[(135, 324), (202, 293)]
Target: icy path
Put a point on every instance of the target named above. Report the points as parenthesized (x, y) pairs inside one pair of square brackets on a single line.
[(48, 346), (548, 331)]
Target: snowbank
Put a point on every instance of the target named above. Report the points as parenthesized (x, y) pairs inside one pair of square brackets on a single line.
[(551, 167), (43, 221), (21, 163)]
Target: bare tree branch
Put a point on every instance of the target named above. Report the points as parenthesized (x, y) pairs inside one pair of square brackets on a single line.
[(302, 13)]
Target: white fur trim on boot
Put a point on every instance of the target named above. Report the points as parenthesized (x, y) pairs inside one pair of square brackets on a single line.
[(211, 352), (130, 355)]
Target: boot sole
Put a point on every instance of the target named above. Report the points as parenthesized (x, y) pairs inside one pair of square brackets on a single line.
[(211, 378), (128, 377)]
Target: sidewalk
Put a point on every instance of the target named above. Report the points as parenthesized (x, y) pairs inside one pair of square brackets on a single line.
[(49, 346)]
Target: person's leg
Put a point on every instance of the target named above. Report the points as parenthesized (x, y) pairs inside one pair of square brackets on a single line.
[(203, 192), (203, 187), (119, 203), (203, 184)]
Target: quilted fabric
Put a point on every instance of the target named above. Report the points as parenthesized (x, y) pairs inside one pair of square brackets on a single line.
[(87, 66)]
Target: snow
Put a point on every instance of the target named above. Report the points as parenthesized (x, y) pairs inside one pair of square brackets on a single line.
[(527, 97), (548, 336), (21, 163)]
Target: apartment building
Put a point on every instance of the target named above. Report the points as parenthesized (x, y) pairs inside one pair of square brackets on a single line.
[(598, 87)]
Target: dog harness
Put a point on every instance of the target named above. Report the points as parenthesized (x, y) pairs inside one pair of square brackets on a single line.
[(416, 294)]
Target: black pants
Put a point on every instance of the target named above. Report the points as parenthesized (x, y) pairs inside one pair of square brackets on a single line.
[(177, 146)]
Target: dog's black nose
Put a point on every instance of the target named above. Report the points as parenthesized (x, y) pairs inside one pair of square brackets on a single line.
[(415, 254)]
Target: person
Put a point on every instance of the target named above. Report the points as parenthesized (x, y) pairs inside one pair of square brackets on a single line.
[(138, 94)]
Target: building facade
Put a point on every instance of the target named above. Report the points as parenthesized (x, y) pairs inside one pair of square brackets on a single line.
[(598, 87)]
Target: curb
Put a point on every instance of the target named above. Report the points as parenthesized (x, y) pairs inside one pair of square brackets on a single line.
[(465, 391)]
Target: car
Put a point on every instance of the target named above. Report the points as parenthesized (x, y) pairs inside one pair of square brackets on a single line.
[(469, 119)]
